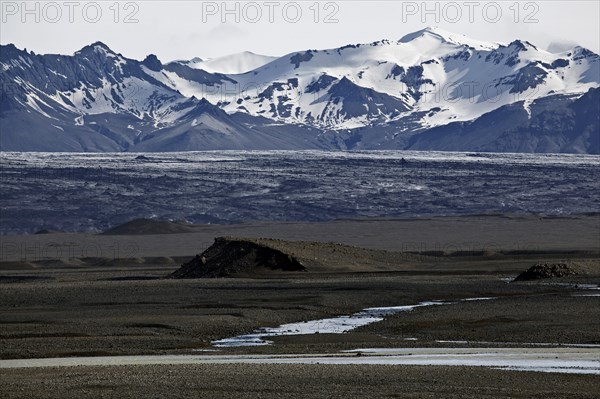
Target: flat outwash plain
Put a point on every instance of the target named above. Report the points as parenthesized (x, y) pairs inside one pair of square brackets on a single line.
[(67, 297)]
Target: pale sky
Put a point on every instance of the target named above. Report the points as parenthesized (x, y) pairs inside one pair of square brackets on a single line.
[(186, 29)]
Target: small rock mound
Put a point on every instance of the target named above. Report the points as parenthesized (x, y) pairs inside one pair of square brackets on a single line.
[(546, 270), (231, 256)]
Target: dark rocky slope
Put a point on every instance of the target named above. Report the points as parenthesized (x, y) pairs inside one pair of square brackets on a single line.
[(231, 256)]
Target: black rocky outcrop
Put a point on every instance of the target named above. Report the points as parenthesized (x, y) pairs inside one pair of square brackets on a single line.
[(230, 256), (546, 270)]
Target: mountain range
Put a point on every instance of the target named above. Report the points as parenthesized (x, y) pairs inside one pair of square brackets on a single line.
[(430, 90)]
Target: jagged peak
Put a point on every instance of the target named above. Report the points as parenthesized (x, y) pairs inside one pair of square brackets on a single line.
[(344, 84), (152, 62), (96, 47), (583, 52), (9, 46), (100, 44), (194, 60), (9, 50), (521, 45), (203, 106)]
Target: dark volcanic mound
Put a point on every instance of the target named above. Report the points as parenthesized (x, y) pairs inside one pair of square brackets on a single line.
[(249, 257), (149, 226), (546, 270), (231, 256)]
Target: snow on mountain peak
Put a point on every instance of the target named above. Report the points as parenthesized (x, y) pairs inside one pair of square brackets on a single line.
[(429, 31), (582, 52), (443, 36), (96, 47), (231, 64), (426, 79), (190, 63)]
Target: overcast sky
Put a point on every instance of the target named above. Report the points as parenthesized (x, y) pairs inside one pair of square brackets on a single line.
[(186, 29)]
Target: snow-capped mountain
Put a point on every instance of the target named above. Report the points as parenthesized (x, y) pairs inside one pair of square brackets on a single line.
[(230, 64), (444, 76), (97, 100), (431, 89)]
